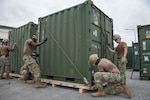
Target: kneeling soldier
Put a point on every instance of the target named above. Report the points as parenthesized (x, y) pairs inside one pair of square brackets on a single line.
[(108, 72)]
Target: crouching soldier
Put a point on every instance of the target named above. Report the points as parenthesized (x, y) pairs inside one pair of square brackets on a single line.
[(27, 76), (108, 72)]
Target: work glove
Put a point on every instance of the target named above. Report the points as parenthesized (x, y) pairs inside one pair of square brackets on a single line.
[(45, 39), (14, 46), (108, 48), (123, 60)]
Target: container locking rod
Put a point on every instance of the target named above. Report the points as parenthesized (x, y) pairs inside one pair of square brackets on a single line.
[(85, 80)]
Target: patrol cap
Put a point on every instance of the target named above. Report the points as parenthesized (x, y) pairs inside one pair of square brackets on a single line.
[(93, 58), (5, 40), (116, 36), (34, 37)]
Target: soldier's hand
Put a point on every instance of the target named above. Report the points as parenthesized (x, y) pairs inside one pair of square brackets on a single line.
[(15, 44), (123, 60), (45, 39), (108, 48)]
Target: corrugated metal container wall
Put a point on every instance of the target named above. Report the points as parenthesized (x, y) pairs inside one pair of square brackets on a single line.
[(18, 36), (129, 58), (1, 41), (135, 56), (144, 51), (74, 34)]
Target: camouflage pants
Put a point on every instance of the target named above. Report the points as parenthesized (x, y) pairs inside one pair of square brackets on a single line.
[(4, 65), (33, 67), (111, 78), (27, 75), (122, 69)]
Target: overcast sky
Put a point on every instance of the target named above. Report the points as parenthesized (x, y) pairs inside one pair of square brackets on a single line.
[(126, 14)]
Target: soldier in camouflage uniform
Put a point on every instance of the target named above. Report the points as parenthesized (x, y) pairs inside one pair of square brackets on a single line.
[(121, 51), (108, 72), (27, 75), (4, 60), (31, 62)]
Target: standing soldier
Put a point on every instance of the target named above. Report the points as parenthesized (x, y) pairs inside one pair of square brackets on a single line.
[(4, 60), (31, 62), (121, 51)]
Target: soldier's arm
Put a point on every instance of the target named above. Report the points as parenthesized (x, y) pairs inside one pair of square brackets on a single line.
[(13, 48), (38, 44)]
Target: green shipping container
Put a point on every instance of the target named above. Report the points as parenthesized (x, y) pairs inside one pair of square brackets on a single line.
[(74, 34), (135, 57), (129, 58), (144, 51), (18, 36)]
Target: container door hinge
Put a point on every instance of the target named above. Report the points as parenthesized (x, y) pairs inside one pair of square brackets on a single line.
[(89, 12), (89, 30), (89, 49)]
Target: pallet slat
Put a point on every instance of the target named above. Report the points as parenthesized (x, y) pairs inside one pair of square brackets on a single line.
[(82, 87)]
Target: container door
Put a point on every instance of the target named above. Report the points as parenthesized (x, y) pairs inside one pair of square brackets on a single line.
[(101, 35), (144, 41), (102, 29), (135, 62)]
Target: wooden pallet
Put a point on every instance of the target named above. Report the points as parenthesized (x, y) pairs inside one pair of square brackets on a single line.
[(15, 75), (144, 78), (82, 87)]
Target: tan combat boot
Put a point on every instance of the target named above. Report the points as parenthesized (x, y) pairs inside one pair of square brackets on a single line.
[(8, 77), (99, 93), (30, 81), (124, 89), (38, 84), (2, 77), (22, 79), (26, 81)]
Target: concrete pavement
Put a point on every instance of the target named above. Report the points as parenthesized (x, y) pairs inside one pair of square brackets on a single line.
[(16, 90)]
